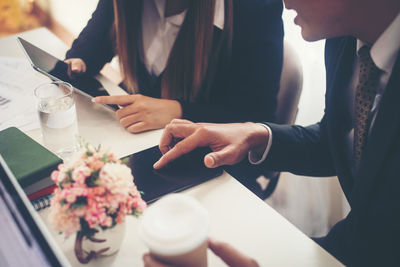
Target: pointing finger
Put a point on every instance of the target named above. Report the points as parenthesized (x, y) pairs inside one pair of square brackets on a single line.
[(121, 100), (181, 148)]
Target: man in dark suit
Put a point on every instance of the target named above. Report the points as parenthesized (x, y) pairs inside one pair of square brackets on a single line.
[(358, 139)]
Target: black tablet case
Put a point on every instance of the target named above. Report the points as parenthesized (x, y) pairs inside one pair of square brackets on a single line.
[(187, 171)]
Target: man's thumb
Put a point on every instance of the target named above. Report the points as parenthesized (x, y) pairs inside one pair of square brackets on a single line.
[(230, 255)]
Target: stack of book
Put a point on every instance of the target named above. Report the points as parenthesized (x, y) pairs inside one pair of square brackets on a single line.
[(31, 164)]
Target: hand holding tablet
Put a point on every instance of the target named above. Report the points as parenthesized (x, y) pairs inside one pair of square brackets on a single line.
[(76, 67), (57, 70)]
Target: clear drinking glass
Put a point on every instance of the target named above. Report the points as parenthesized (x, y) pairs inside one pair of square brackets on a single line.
[(57, 114)]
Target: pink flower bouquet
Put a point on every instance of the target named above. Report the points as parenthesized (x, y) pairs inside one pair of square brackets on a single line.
[(95, 192)]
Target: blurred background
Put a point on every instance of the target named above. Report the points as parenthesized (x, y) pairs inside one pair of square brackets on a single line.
[(313, 205), (20, 15)]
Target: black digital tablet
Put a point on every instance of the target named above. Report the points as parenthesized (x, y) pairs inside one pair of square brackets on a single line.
[(185, 172), (57, 70)]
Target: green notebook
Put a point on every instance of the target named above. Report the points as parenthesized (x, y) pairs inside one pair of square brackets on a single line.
[(29, 161)]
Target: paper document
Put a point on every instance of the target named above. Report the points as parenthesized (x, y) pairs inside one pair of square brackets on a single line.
[(18, 104), (14, 63)]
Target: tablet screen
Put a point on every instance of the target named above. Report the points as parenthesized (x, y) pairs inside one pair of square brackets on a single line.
[(57, 70), (187, 171)]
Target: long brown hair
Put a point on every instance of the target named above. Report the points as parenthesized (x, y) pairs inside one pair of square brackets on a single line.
[(193, 60)]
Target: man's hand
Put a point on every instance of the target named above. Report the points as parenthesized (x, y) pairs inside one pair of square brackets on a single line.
[(149, 261), (142, 113), (230, 142), (226, 252), (230, 255), (76, 67)]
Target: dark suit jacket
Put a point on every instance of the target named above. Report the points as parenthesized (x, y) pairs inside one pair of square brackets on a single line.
[(370, 234), (243, 91)]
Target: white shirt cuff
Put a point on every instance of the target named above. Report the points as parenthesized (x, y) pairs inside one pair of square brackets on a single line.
[(253, 159)]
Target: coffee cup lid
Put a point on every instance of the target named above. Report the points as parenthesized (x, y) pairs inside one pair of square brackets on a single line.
[(174, 225)]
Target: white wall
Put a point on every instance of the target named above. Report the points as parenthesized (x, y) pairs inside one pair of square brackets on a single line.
[(72, 14)]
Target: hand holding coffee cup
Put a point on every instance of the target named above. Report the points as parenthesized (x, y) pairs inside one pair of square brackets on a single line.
[(175, 229)]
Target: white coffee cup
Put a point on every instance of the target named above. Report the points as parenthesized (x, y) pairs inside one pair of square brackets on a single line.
[(175, 228)]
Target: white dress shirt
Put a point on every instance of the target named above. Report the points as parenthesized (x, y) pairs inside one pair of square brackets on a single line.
[(384, 54), (159, 33)]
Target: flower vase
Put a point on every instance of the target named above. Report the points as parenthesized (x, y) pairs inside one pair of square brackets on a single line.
[(102, 243)]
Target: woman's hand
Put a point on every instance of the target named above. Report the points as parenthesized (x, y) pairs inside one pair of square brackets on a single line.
[(76, 67), (230, 142), (141, 113), (226, 252)]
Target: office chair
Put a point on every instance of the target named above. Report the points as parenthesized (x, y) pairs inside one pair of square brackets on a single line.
[(291, 85), (288, 97)]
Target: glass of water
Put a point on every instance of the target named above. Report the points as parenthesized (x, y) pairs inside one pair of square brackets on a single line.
[(57, 114)]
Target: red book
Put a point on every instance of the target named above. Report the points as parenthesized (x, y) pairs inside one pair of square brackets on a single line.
[(42, 193)]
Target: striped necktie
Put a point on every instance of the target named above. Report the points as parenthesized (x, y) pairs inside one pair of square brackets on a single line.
[(365, 96)]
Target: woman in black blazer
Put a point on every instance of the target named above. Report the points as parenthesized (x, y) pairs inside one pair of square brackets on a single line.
[(212, 74)]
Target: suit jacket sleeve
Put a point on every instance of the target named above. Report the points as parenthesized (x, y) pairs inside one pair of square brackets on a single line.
[(305, 150), (300, 150), (248, 89), (94, 44)]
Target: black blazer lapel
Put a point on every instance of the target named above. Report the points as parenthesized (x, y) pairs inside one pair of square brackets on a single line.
[(339, 121), (381, 137)]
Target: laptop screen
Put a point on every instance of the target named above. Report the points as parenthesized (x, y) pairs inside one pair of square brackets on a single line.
[(22, 242)]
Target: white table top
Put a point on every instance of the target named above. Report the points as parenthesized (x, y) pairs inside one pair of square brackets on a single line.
[(237, 216)]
